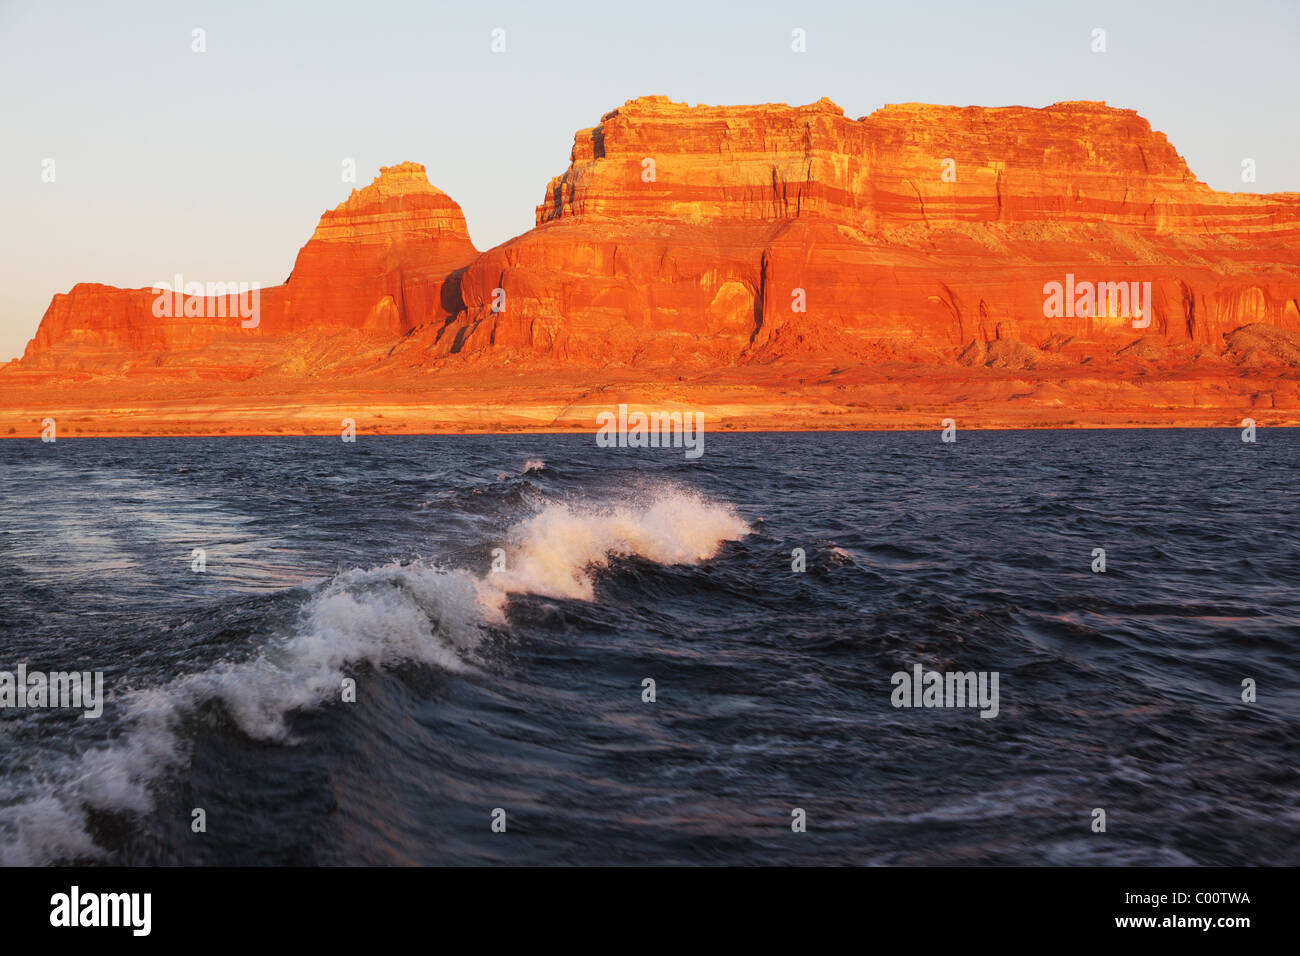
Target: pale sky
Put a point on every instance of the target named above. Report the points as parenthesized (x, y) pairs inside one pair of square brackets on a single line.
[(217, 165)]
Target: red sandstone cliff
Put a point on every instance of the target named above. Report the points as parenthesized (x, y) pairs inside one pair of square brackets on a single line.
[(748, 205), (384, 261), (695, 239)]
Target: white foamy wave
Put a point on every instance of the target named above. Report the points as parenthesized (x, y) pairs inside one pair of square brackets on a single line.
[(385, 616), (382, 617), (533, 464), (555, 552)]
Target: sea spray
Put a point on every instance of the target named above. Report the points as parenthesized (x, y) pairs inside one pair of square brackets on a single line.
[(381, 616), (554, 552)]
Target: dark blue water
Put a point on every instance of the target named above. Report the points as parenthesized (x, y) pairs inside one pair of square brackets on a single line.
[(521, 689)]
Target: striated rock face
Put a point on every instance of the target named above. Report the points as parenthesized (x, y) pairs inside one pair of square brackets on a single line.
[(693, 239), (381, 263), (698, 234), (384, 260)]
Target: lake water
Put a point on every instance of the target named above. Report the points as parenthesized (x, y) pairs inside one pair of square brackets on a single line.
[(523, 689)]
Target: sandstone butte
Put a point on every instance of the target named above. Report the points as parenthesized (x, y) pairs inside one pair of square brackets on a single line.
[(675, 284)]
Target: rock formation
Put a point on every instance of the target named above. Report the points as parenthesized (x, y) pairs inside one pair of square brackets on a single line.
[(381, 263), (919, 243), (916, 232)]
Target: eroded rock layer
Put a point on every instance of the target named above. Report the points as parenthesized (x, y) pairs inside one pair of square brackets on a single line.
[(707, 235), (383, 262), (917, 242)]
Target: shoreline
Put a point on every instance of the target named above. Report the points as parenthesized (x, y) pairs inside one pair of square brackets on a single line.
[(726, 427), (796, 397)]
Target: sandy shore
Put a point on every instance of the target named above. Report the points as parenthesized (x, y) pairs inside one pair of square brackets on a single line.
[(737, 399)]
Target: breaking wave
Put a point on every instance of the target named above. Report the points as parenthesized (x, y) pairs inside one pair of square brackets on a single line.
[(383, 617), (555, 552)]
